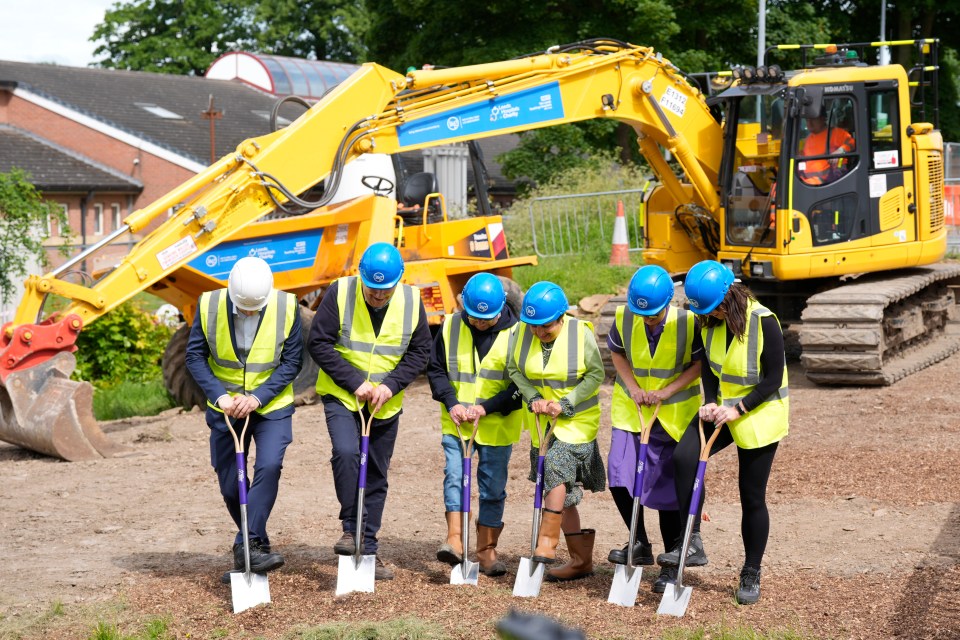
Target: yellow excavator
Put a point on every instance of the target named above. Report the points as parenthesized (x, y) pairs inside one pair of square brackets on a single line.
[(846, 236)]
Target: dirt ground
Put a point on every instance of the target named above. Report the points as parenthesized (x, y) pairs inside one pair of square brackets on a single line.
[(864, 501)]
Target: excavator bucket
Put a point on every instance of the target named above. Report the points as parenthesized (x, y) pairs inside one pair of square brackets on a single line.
[(43, 410)]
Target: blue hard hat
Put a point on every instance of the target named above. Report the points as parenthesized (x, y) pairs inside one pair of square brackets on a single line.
[(543, 303), (650, 290), (483, 296), (381, 266), (706, 285)]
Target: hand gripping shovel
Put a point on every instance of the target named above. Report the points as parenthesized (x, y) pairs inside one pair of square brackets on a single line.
[(466, 572), (530, 573), (676, 597), (626, 578), (248, 589), (357, 572)]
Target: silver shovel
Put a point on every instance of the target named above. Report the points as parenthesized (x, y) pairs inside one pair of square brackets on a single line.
[(466, 572), (530, 573), (248, 589), (357, 572), (626, 578), (676, 597)]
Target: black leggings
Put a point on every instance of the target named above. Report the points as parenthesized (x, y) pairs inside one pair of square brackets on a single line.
[(670, 521), (755, 465)]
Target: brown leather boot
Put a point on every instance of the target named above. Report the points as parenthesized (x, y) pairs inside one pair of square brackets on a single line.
[(487, 551), (546, 551), (451, 551), (580, 565)]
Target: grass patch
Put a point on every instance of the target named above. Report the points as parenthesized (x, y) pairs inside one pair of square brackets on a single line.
[(582, 271), (127, 399), (723, 632), (578, 275), (155, 629), (399, 629)]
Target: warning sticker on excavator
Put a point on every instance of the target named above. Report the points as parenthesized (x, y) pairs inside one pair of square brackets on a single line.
[(176, 252), (673, 101)]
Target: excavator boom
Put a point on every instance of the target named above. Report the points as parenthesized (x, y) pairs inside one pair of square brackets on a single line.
[(375, 110)]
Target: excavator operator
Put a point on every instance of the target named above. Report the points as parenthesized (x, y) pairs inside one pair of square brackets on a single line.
[(824, 170)]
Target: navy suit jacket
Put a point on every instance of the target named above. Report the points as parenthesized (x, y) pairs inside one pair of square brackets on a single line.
[(291, 359)]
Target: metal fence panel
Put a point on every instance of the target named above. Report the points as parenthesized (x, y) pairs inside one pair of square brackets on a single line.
[(566, 224)]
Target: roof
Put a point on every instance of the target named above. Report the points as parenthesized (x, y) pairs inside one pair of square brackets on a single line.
[(165, 111), (56, 169), (281, 75), (136, 102)]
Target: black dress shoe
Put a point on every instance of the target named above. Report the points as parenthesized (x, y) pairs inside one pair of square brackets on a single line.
[(749, 590), (642, 555)]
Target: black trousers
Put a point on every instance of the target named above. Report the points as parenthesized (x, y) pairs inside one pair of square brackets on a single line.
[(755, 466), (344, 428)]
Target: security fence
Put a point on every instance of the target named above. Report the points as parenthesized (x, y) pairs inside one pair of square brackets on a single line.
[(573, 223)]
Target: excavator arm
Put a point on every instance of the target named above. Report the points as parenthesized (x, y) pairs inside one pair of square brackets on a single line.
[(375, 110)]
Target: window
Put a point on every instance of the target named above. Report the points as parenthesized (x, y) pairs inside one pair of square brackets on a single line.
[(160, 112), (98, 219), (832, 220), (826, 145), (884, 129), (117, 221)]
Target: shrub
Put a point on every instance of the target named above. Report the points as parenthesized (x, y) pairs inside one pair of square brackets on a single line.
[(125, 344)]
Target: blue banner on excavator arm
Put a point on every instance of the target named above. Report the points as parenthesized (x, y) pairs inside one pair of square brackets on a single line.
[(283, 252), (523, 108)]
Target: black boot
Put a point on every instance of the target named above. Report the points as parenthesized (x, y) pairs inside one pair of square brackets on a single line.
[(749, 590), (668, 575), (261, 559), (642, 555), (696, 556)]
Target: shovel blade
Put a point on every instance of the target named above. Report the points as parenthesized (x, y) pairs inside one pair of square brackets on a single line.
[(465, 573), (248, 594), (529, 579), (626, 585), (356, 576), (674, 602)]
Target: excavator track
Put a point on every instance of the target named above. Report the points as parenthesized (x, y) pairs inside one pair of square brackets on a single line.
[(879, 329)]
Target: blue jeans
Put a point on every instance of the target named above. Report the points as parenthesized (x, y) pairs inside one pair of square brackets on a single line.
[(491, 479)]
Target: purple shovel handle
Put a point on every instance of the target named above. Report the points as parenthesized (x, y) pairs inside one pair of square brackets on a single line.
[(538, 488), (638, 478), (242, 477), (698, 488), (364, 448), (465, 493)]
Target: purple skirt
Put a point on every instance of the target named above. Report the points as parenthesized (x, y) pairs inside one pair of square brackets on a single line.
[(659, 491)]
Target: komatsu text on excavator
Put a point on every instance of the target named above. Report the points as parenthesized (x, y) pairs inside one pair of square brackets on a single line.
[(816, 186)]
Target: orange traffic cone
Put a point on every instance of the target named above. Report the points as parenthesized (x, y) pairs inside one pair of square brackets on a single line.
[(620, 252)]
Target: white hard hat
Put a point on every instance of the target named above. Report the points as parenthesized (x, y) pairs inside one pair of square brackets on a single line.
[(250, 283)]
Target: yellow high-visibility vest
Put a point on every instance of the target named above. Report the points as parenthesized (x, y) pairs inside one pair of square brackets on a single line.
[(564, 371), (477, 380), (738, 370), (656, 371), (241, 377), (373, 356)]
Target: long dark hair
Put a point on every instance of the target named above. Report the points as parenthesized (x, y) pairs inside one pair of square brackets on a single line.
[(734, 308)]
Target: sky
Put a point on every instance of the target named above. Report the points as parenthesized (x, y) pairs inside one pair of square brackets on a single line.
[(50, 30)]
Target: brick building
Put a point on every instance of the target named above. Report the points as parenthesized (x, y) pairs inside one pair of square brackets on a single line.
[(103, 143)]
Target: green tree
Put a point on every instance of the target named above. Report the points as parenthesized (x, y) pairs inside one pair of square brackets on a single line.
[(186, 36), (318, 29), (23, 228), (173, 36)]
